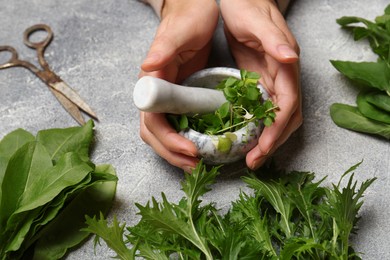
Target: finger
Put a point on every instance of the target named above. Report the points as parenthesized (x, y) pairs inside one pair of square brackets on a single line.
[(254, 160), (179, 37), (167, 136), (177, 159), (287, 96), (263, 29)]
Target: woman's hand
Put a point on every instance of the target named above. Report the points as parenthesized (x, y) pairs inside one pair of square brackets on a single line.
[(181, 46), (261, 41)]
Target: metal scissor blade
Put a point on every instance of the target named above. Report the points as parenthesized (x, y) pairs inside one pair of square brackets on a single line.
[(72, 96), (72, 108)]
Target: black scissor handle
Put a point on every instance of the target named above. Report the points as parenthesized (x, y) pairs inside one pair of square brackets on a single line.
[(41, 44)]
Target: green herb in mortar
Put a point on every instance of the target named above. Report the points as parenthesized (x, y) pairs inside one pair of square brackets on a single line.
[(286, 216), (244, 104)]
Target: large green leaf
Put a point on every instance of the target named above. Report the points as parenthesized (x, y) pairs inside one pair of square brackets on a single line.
[(349, 117), (73, 139), (371, 111), (69, 171), (8, 146), (379, 99), (97, 198), (23, 169), (372, 74)]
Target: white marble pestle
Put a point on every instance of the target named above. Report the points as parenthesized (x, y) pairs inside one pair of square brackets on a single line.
[(156, 95)]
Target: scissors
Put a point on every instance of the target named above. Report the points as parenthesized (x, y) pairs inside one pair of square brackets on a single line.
[(69, 98)]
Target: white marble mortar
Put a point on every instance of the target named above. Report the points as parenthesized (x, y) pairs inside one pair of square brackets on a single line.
[(247, 137)]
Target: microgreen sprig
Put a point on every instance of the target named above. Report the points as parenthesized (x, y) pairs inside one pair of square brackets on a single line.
[(244, 104)]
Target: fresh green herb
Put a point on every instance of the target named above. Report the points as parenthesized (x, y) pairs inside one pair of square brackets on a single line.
[(287, 216), (48, 185), (372, 114), (244, 104)]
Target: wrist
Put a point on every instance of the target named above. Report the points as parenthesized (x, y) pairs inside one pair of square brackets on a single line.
[(182, 6)]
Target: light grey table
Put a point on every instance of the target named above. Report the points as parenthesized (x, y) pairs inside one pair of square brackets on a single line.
[(98, 47)]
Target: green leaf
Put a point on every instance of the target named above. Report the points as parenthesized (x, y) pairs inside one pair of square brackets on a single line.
[(379, 99), (224, 109), (8, 146), (349, 117), (254, 228), (96, 198), (24, 168), (372, 74), (275, 194), (253, 93), (162, 217), (298, 247), (183, 124), (112, 235), (344, 205), (230, 93), (61, 141), (69, 171), (39, 197), (224, 144), (369, 110), (245, 212)]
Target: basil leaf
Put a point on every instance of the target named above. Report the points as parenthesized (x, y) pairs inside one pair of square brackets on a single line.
[(61, 141), (349, 117), (372, 74)]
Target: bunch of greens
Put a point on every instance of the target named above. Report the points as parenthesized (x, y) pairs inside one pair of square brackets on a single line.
[(48, 185), (244, 104), (287, 217), (372, 114)]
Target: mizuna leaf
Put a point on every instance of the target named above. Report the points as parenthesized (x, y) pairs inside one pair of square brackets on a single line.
[(112, 235), (163, 218), (275, 194)]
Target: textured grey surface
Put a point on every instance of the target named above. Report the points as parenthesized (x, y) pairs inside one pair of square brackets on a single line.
[(97, 49)]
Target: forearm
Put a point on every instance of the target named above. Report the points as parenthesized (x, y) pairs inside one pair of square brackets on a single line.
[(157, 5)]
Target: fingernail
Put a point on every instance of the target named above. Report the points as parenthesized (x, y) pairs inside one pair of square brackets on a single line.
[(257, 163), (189, 153), (287, 52)]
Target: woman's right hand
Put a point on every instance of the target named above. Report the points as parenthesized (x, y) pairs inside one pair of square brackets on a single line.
[(181, 47)]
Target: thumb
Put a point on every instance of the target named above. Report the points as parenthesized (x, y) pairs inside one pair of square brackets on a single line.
[(276, 40), (161, 53), (275, 43)]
